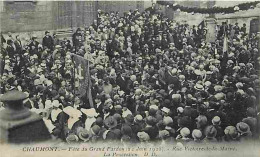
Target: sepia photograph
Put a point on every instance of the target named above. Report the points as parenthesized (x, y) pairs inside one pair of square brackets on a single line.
[(130, 78)]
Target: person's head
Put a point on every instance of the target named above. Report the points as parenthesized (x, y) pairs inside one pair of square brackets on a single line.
[(78, 30), (210, 132), (9, 42), (18, 37), (47, 33), (201, 121)]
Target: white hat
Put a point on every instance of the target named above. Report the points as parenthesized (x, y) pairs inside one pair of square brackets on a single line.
[(236, 67), (57, 46), (198, 72), (42, 78), (167, 120), (133, 77), (216, 120), (230, 62), (138, 91), (72, 112), (176, 96), (154, 107), (121, 92), (218, 88), (89, 112), (49, 82), (207, 83), (185, 132), (138, 117), (37, 82), (34, 56), (39, 70), (198, 86), (180, 109), (219, 96), (108, 101), (165, 109), (241, 91), (56, 103), (239, 85), (182, 77), (48, 104), (174, 71)]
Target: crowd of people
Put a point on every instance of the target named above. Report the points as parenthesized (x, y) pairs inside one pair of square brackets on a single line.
[(152, 80)]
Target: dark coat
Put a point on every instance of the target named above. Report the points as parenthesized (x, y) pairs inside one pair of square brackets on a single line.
[(47, 41)]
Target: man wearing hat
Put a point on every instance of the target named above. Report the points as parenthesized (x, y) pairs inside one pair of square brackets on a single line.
[(244, 130), (84, 135), (34, 45), (231, 134), (216, 121), (183, 137), (196, 135), (47, 41), (150, 128), (17, 122), (251, 120), (112, 133)]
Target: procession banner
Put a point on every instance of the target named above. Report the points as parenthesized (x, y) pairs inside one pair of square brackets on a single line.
[(82, 77)]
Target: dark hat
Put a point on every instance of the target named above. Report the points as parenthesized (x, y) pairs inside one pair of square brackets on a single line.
[(117, 133), (99, 121), (167, 102), (152, 111), (83, 134), (117, 116), (110, 122), (13, 95), (184, 121), (126, 130), (46, 32), (250, 112), (210, 131), (95, 129), (150, 120), (72, 138), (129, 118), (243, 127)]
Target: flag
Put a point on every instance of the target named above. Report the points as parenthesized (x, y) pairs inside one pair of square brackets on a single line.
[(225, 44), (82, 75)]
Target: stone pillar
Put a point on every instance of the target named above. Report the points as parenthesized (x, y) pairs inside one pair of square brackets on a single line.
[(211, 29), (211, 24)]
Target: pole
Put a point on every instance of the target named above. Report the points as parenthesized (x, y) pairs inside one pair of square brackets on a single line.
[(74, 79), (89, 89)]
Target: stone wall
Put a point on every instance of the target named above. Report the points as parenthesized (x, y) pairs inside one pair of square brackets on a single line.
[(26, 16), (35, 17)]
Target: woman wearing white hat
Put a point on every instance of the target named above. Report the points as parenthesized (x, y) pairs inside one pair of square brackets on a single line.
[(91, 117), (73, 122)]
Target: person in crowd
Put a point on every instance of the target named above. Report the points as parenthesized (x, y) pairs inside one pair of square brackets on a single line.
[(47, 41), (151, 79)]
